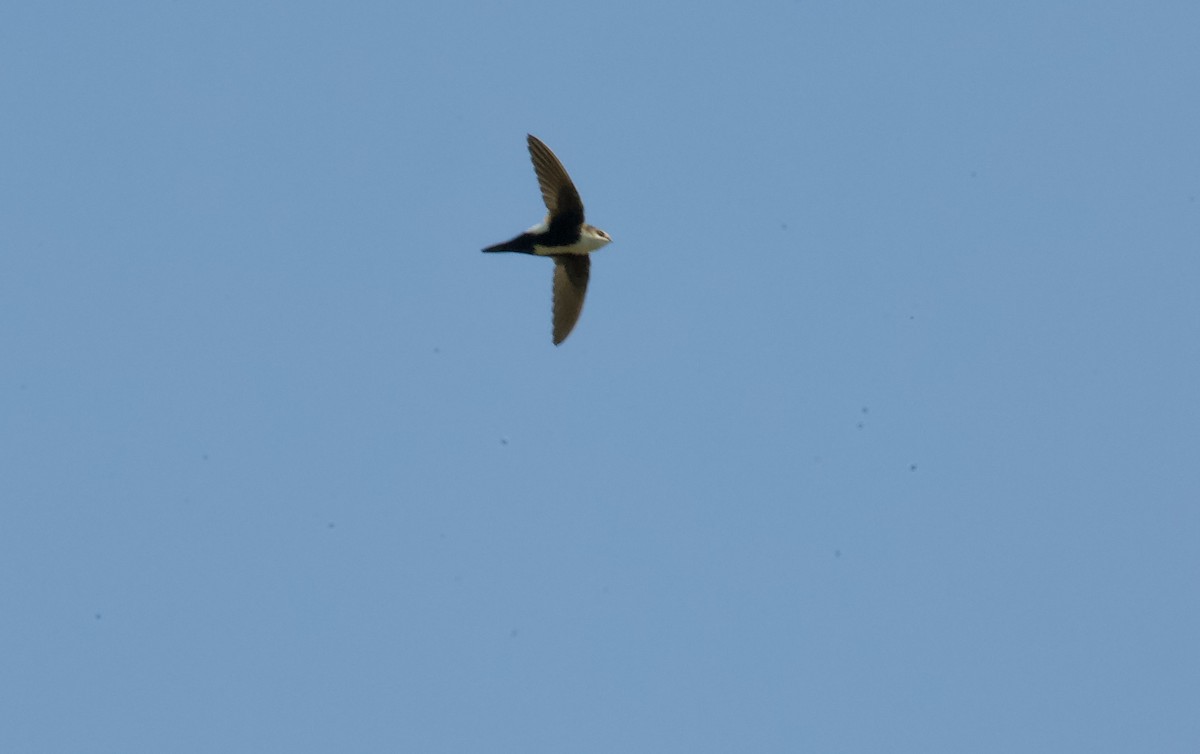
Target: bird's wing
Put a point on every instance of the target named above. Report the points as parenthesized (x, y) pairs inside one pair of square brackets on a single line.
[(559, 194), (570, 284)]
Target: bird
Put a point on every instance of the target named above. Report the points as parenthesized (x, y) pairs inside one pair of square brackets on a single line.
[(563, 236)]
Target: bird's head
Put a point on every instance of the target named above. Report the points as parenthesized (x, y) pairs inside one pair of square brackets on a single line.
[(599, 237)]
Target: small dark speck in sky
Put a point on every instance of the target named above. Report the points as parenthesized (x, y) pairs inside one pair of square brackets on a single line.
[(504, 441), (912, 467)]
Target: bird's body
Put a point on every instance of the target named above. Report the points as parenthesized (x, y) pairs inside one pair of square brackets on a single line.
[(563, 236), (543, 241)]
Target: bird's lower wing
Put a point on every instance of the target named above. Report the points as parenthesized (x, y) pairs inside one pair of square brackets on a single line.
[(571, 273)]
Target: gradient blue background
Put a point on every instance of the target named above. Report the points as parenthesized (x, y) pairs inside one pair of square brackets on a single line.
[(879, 431)]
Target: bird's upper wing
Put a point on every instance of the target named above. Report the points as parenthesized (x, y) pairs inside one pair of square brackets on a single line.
[(559, 194), (571, 273)]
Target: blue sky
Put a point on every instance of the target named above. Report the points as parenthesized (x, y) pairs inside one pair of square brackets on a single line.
[(878, 431)]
